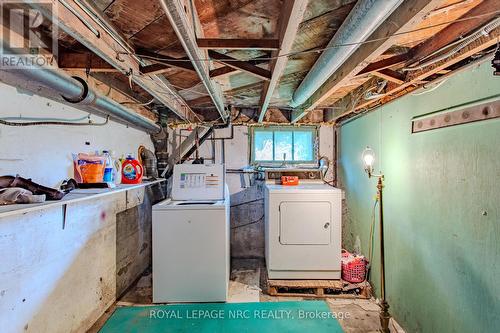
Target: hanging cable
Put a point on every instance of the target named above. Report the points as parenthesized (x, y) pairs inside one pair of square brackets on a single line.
[(138, 104), (58, 123), (371, 240), (334, 46), (21, 118)]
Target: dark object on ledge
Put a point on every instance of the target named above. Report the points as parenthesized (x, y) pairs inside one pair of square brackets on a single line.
[(27, 184), (68, 185), (93, 185), (495, 63), (148, 160), (71, 184)]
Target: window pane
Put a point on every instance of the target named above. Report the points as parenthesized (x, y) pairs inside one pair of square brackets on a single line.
[(303, 146), (263, 145), (282, 145)]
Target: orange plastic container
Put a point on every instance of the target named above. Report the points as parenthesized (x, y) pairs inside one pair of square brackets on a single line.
[(92, 173), (88, 168), (132, 171), (289, 180)]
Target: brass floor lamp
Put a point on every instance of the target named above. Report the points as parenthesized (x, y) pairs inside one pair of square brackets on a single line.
[(368, 160)]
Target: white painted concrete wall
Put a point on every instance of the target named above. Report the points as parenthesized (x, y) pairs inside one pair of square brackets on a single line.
[(58, 273), (237, 150), (43, 153), (247, 205)]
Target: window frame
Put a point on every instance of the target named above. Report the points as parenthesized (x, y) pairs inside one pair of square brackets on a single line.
[(277, 162)]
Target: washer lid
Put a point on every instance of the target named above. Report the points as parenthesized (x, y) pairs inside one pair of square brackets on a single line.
[(170, 204)]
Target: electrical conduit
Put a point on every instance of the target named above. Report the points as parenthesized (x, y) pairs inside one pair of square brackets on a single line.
[(76, 91)]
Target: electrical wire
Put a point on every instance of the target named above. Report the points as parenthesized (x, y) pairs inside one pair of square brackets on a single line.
[(38, 123), (426, 90), (247, 202), (138, 104), (336, 45), (483, 31), (372, 239), (46, 119)]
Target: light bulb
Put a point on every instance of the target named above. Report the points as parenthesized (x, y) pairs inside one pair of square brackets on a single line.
[(368, 158)]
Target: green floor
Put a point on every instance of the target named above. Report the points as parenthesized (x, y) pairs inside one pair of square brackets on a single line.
[(305, 316)]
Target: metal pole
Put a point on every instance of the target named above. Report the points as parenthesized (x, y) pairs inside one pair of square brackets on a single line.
[(384, 313)]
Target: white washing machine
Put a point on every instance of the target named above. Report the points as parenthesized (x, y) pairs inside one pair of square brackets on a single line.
[(191, 237), (303, 231)]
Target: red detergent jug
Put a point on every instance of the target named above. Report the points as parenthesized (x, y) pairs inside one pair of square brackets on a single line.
[(131, 171)]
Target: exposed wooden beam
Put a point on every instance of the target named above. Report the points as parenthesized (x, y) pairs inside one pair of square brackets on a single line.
[(385, 63), (83, 61), (467, 23), (471, 20), (180, 63), (222, 71), (237, 44), (118, 54), (121, 85), (200, 100), (408, 15), (390, 75), (154, 69), (473, 48), (185, 22), (447, 8), (416, 78), (241, 65), (292, 13), (228, 70)]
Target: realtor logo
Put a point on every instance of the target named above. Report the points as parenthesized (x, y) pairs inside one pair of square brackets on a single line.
[(28, 37)]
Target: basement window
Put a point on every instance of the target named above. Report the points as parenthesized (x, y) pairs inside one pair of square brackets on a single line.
[(272, 146)]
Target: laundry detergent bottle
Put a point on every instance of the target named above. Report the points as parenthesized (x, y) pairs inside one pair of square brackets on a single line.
[(131, 171)]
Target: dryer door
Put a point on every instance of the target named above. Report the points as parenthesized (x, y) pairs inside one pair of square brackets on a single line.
[(305, 223)]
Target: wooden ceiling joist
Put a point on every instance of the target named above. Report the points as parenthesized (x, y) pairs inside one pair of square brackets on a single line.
[(229, 70), (467, 23), (416, 78), (390, 75), (222, 71), (245, 66), (121, 85), (108, 48), (87, 61), (237, 44), (185, 22), (408, 15), (471, 20), (154, 69), (200, 100), (179, 63), (291, 16), (385, 63)]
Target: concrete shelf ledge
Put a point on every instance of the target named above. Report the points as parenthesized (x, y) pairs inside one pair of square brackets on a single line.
[(74, 196)]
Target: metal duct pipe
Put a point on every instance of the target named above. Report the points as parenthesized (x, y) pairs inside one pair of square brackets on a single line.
[(76, 91), (363, 19)]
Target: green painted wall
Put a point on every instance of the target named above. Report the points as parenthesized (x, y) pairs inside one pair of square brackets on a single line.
[(441, 204)]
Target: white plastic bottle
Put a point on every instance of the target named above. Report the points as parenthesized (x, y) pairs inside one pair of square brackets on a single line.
[(108, 169), (117, 169)]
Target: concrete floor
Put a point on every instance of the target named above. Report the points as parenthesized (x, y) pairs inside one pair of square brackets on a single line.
[(249, 283)]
